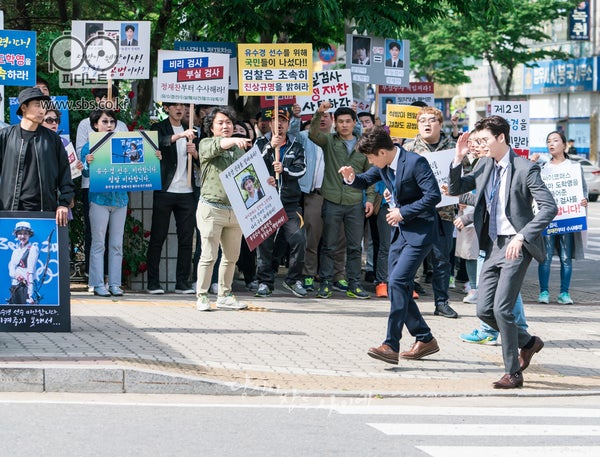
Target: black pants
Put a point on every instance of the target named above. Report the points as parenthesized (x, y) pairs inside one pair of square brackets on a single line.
[(182, 206)]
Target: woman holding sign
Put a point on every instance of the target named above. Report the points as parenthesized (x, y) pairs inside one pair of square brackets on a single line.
[(215, 217), (569, 245), (107, 209)]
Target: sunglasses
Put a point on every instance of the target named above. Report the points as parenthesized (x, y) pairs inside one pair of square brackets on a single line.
[(51, 120), (108, 121)]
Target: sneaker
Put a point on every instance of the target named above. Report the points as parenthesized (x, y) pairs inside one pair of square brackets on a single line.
[(155, 289), (214, 288), (466, 288), (116, 291), (357, 292), (415, 295), (479, 337), (203, 304), (296, 288), (309, 284), (340, 286), (101, 291), (381, 290), (325, 290), (263, 290), (544, 297), (445, 310), (471, 297), (452, 283), (252, 286), (230, 302), (184, 288), (564, 299)]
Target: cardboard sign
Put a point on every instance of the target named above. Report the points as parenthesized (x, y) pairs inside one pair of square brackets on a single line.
[(375, 60), (214, 47), (402, 120), (17, 58), (517, 115), (334, 86)]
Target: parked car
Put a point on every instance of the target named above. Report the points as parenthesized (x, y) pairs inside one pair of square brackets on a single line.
[(591, 173)]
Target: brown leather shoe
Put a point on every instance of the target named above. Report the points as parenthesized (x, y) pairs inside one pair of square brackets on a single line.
[(385, 353), (419, 350), (510, 381), (526, 354)]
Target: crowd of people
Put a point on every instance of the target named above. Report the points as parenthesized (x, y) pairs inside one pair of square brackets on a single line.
[(337, 178)]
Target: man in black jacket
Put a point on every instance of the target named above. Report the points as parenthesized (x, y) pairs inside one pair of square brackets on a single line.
[(289, 165), (34, 168), (176, 197)]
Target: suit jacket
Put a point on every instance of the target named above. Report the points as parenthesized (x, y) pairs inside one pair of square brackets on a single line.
[(416, 192), (389, 63), (133, 42), (523, 185)]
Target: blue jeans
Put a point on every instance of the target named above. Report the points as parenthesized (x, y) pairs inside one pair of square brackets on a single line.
[(519, 313), (565, 251)]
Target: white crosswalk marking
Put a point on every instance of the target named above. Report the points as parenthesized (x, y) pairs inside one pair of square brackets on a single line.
[(487, 429), (532, 451)]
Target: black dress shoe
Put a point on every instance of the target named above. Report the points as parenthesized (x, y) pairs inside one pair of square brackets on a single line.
[(419, 289), (510, 381), (443, 309), (384, 353), (526, 354)]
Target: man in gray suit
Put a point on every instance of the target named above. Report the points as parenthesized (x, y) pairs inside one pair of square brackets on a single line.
[(508, 231)]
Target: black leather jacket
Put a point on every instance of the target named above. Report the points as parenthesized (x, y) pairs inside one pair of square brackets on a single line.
[(54, 172)]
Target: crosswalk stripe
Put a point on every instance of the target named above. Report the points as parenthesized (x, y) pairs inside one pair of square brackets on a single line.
[(529, 451), (465, 411), (425, 429)]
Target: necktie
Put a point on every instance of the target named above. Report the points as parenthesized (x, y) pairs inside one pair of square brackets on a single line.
[(394, 64), (392, 177), (494, 203)]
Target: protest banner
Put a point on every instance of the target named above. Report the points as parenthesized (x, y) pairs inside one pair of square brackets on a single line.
[(397, 95), (35, 287), (190, 77), (214, 47), (402, 120), (565, 184), (440, 162), (124, 161), (256, 204), (517, 115), (275, 69), (17, 58), (375, 60), (334, 86)]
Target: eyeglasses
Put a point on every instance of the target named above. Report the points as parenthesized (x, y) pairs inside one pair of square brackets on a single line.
[(427, 120), (482, 141), (108, 121), (51, 120)]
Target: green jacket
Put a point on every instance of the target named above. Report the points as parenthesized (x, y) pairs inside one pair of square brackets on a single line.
[(420, 146), (214, 160), (335, 155)]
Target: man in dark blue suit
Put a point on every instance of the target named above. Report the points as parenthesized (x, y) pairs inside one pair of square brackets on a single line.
[(415, 226)]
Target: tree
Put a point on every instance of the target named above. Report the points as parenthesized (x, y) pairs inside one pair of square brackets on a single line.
[(506, 39)]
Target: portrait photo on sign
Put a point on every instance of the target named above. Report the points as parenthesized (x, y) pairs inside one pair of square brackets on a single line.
[(129, 34), (394, 57), (92, 29), (29, 256), (249, 185), (361, 50), (127, 150)]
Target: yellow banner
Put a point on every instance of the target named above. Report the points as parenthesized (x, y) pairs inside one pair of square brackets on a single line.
[(275, 69), (402, 120)]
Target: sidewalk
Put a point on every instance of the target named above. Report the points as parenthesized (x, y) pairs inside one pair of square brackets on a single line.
[(285, 345)]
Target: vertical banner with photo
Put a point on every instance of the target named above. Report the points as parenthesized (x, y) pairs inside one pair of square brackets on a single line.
[(334, 86), (402, 121), (517, 115), (267, 104), (115, 49), (190, 77), (17, 58), (440, 162), (375, 60), (565, 184), (397, 95), (124, 161), (214, 47), (275, 69), (34, 288), (256, 204)]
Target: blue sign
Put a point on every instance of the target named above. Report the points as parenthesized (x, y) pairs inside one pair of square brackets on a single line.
[(579, 22), (173, 65), (555, 76), (17, 58), (60, 102)]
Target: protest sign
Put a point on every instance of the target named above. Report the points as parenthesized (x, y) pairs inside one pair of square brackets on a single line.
[(214, 47), (517, 115), (375, 60), (17, 58), (397, 95), (402, 120), (440, 162), (334, 86)]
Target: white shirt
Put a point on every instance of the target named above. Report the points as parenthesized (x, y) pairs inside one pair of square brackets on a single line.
[(179, 185), (502, 222)]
